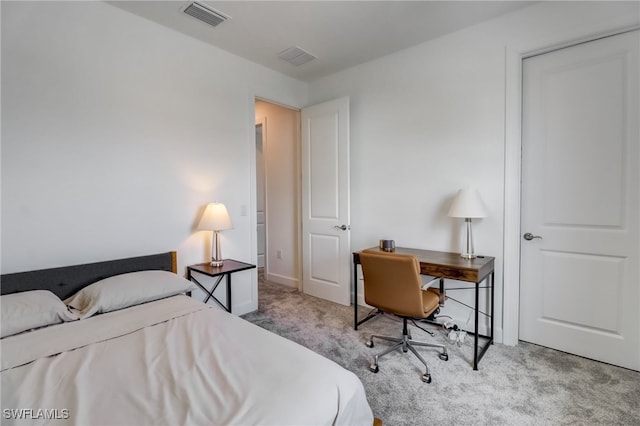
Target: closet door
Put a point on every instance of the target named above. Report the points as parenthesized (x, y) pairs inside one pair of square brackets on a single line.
[(580, 273)]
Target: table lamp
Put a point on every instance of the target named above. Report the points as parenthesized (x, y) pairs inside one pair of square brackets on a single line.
[(468, 205), (215, 218)]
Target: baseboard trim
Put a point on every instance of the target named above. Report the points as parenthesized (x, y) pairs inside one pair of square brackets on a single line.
[(281, 279)]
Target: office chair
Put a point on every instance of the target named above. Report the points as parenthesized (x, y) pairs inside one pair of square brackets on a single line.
[(392, 283)]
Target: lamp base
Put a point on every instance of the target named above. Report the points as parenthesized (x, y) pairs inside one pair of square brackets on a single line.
[(469, 252), (216, 256)]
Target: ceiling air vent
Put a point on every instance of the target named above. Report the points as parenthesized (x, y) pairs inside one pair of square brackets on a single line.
[(296, 56), (205, 14)]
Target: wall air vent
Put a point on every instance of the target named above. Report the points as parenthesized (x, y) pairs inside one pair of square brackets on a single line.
[(296, 56), (205, 14)]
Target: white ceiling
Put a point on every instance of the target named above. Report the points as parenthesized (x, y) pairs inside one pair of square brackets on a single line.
[(341, 34)]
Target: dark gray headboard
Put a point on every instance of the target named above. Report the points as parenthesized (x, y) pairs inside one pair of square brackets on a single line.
[(67, 280)]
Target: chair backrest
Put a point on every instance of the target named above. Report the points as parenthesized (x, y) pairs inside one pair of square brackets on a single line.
[(392, 283)]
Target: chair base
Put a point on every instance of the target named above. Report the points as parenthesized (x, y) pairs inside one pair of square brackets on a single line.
[(406, 344)]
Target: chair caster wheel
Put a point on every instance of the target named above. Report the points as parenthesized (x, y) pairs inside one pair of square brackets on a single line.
[(374, 368), (444, 357), (369, 343), (426, 377)]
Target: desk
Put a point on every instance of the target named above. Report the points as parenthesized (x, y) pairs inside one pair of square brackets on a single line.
[(228, 267), (446, 265)]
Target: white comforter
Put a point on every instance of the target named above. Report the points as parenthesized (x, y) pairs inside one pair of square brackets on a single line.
[(176, 362)]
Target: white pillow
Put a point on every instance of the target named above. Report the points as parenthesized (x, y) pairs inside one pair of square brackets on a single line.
[(31, 309), (122, 291)]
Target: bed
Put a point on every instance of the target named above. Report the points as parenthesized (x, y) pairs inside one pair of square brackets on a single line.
[(170, 361)]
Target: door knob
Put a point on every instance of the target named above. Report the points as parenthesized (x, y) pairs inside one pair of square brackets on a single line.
[(529, 236), (342, 227)]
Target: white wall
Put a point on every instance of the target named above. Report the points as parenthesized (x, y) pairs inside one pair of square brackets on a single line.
[(431, 119), (116, 132)]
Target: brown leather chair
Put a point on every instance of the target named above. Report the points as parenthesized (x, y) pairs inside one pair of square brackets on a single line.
[(392, 283)]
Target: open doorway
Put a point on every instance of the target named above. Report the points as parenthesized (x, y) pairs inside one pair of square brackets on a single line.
[(278, 192), (260, 193)]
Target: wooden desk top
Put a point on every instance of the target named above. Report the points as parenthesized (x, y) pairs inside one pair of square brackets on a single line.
[(446, 265)]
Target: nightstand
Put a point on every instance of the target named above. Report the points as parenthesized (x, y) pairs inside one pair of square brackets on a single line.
[(228, 267)]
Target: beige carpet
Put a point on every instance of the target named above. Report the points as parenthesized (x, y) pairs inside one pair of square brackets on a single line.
[(522, 385)]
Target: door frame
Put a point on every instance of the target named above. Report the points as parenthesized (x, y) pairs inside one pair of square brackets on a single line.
[(262, 121), (253, 97), (514, 56)]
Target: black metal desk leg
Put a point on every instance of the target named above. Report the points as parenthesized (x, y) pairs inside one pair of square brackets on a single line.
[(229, 293), (355, 296), (492, 305), (475, 337)]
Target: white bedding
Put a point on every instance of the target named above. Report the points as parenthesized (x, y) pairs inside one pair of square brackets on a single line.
[(177, 362)]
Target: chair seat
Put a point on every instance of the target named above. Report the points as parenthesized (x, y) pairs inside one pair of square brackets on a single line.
[(430, 301)]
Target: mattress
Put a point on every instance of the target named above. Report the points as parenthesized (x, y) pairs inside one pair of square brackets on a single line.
[(174, 361)]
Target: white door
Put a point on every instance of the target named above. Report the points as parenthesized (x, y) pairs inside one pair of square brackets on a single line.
[(325, 201), (260, 193), (580, 281)]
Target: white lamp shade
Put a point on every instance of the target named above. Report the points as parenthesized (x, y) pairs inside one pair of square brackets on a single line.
[(468, 204), (215, 218)]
